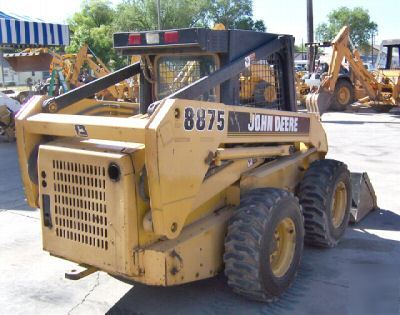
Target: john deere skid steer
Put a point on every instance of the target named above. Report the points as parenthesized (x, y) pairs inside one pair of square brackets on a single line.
[(206, 178)]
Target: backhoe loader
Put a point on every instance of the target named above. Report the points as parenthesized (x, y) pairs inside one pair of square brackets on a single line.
[(199, 181), (68, 71), (379, 90)]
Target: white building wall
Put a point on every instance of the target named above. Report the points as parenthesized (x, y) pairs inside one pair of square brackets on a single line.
[(20, 78)]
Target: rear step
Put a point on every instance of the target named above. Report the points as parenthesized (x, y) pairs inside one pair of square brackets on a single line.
[(363, 197)]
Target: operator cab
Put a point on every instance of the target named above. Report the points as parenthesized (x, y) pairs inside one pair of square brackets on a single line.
[(389, 55), (175, 59)]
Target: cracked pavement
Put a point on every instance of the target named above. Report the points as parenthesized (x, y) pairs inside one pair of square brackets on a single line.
[(360, 276)]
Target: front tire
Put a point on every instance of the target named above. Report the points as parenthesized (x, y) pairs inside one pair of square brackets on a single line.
[(325, 196), (343, 95), (264, 244)]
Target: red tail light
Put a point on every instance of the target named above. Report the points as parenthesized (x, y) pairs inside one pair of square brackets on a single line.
[(171, 37), (134, 39)]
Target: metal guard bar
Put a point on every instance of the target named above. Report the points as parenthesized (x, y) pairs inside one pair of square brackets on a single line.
[(93, 87)]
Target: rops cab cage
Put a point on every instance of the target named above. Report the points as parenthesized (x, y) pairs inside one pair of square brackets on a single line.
[(233, 67)]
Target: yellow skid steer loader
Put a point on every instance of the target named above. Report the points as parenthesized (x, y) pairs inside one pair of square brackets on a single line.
[(200, 181)]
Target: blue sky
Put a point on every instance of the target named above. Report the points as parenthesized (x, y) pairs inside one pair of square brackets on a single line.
[(280, 16)]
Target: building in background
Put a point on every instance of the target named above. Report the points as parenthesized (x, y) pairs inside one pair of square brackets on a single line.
[(13, 78)]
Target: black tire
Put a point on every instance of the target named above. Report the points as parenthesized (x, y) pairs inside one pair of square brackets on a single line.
[(250, 242), (316, 194), (338, 103), (259, 89), (259, 94)]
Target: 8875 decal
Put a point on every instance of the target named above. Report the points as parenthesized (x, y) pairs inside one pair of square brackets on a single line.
[(203, 119)]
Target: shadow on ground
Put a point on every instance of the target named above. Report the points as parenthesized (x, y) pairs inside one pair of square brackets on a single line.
[(345, 280), (359, 122), (11, 190), (368, 114)]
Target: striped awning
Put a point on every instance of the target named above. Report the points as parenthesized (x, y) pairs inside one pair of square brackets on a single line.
[(23, 31)]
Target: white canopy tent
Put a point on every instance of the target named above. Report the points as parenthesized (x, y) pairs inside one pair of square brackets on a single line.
[(22, 31), (18, 31)]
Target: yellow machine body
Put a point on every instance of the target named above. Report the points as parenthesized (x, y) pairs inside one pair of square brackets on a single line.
[(208, 175), (302, 88), (259, 80), (94, 218)]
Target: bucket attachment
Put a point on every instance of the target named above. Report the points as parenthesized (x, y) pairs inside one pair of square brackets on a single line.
[(29, 61), (363, 197), (318, 101)]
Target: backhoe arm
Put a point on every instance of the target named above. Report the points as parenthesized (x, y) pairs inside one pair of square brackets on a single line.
[(341, 50), (321, 100)]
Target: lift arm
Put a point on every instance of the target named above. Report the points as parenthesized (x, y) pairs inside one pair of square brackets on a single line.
[(84, 91)]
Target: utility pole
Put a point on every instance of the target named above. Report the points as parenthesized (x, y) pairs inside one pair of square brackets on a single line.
[(158, 14), (372, 48), (310, 35)]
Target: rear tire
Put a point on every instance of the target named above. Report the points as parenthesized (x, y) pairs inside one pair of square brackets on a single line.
[(325, 196), (264, 244), (343, 95), (264, 94)]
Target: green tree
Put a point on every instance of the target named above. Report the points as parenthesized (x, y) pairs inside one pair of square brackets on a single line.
[(359, 21), (98, 20), (142, 14), (300, 48), (93, 25), (235, 14)]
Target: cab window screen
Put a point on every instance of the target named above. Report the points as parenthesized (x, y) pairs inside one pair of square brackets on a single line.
[(260, 84), (389, 58), (381, 61), (176, 72), (395, 58)]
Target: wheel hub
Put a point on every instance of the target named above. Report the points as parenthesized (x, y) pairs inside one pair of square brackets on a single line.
[(283, 247), (343, 95), (339, 204)]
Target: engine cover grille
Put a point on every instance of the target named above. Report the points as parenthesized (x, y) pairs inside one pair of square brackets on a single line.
[(80, 209)]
